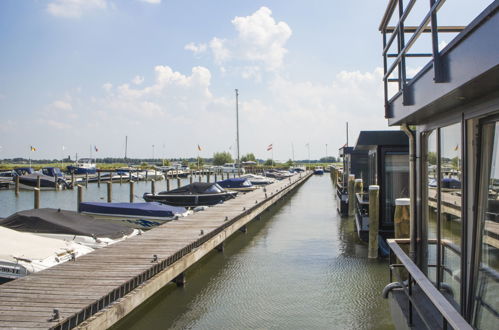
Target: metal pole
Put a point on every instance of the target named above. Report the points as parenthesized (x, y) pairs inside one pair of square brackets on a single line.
[(237, 130)]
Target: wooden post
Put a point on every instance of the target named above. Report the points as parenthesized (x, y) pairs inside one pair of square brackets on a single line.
[(178, 182), (215, 176), (131, 191), (109, 191), (402, 217), (153, 186), (207, 176), (17, 186), (351, 195), (121, 177), (146, 174), (38, 182), (86, 180), (373, 221), (98, 179), (79, 197), (167, 184), (72, 180), (200, 176), (190, 178), (358, 186), (37, 198)]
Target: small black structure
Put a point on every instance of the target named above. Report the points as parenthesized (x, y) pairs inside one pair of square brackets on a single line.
[(388, 158), (354, 162)]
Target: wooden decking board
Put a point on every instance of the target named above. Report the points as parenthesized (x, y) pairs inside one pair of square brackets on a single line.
[(74, 286)]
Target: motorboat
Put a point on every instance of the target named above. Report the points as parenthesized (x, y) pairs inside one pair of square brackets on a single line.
[(319, 170), (194, 194), (258, 179), (69, 226), (30, 181), (278, 174), (83, 166), (136, 215), (237, 184), (297, 169), (232, 168), (24, 253)]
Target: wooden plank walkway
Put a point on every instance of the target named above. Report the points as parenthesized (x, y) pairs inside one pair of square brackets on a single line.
[(100, 288)]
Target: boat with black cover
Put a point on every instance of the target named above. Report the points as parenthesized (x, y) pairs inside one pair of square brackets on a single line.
[(30, 181), (69, 226), (194, 194), (136, 215), (237, 184)]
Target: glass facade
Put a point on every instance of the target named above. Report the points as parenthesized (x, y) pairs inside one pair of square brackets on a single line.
[(487, 285), (450, 166), (396, 185)]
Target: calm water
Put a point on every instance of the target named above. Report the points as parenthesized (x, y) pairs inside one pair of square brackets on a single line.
[(300, 267)]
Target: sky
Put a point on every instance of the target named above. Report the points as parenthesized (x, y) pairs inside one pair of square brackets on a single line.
[(76, 75)]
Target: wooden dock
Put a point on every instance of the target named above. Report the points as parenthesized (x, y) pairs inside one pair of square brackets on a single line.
[(98, 289)]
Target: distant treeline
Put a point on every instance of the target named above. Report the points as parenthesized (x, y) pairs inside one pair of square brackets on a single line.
[(138, 161)]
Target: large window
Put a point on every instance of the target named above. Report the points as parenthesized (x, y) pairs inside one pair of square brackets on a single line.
[(450, 209), (396, 176), (443, 168), (487, 284), (431, 209)]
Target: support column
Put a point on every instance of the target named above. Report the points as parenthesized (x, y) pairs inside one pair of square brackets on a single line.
[(351, 195), (373, 221), (180, 279)]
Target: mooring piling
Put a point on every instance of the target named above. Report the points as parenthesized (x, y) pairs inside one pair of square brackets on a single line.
[(373, 221), (37, 198)]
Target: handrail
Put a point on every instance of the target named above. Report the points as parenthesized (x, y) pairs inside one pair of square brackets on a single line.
[(445, 308)]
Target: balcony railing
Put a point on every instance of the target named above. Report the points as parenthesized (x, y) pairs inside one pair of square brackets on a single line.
[(398, 32), (449, 315)]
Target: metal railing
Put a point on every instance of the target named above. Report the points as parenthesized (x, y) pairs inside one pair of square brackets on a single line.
[(390, 33), (450, 316)]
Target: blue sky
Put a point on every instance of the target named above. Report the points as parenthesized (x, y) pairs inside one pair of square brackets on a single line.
[(77, 73)]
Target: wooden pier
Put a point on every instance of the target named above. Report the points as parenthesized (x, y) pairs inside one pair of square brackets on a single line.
[(98, 289)]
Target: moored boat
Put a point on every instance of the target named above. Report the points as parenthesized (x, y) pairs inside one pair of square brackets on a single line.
[(24, 253), (69, 226), (83, 166), (135, 215), (194, 194), (237, 184), (319, 170), (258, 179)]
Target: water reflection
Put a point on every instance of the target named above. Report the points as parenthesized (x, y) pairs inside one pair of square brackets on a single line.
[(300, 266)]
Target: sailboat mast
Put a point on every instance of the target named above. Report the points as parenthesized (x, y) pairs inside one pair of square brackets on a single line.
[(237, 132), (126, 145)]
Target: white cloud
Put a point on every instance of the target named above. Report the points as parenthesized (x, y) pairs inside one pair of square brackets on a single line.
[(259, 45), (154, 2), (138, 80), (220, 52), (74, 8), (107, 86), (62, 105), (196, 48), (261, 39)]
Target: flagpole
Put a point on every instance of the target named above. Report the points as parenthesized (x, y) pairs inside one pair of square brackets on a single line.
[(273, 155)]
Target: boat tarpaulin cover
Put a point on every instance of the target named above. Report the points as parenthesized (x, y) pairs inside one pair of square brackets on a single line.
[(235, 183), (56, 221), (149, 209), (32, 247), (193, 188)]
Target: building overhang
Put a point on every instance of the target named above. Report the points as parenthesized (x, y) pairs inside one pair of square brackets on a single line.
[(471, 66)]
